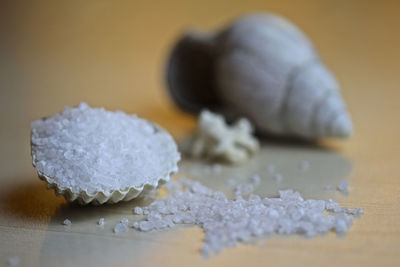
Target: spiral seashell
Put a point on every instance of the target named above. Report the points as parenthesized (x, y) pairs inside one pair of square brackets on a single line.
[(262, 67)]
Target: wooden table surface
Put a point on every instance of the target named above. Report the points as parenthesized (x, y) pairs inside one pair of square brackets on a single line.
[(112, 54)]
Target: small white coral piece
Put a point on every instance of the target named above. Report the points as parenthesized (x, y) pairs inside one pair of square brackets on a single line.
[(216, 139)]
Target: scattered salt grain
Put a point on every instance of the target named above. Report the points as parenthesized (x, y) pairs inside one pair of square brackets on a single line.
[(304, 165), (91, 149), (228, 222), (101, 222), (343, 187), (14, 261), (138, 211), (135, 225), (146, 226), (341, 225), (120, 228), (124, 220), (66, 222), (357, 211)]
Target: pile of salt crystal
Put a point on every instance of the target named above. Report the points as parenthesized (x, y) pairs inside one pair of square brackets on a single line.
[(95, 150), (227, 222)]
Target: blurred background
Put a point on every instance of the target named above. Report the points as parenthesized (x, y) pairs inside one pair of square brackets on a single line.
[(113, 53)]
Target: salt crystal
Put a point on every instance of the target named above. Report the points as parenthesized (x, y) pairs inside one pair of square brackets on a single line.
[(101, 222), (120, 228), (135, 225), (357, 211), (66, 222), (176, 219), (160, 224), (138, 210), (146, 226), (341, 226), (124, 220), (14, 261), (94, 150), (154, 215), (228, 222), (343, 187)]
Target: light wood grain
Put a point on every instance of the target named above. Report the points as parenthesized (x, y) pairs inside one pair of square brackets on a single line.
[(112, 54)]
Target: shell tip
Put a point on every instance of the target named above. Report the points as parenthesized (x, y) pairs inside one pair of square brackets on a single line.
[(342, 127)]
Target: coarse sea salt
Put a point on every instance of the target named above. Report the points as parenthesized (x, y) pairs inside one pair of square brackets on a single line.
[(138, 211), (227, 222), (92, 150), (120, 228), (343, 187)]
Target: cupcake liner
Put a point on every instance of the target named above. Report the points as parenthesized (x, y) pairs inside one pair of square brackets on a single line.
[(101, 197)]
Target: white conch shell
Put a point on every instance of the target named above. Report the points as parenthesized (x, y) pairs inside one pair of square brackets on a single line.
[(262, 67)]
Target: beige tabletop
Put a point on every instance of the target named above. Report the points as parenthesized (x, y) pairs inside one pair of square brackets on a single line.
[(112, 54)]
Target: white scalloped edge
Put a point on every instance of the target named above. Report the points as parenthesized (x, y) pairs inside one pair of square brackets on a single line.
[(101, 197)]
